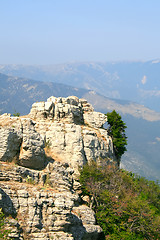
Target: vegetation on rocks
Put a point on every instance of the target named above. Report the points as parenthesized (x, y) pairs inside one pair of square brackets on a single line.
[(16, 114), (3, 232), (127, 206)]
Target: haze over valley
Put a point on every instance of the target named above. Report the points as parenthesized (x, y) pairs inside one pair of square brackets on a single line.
[(135, 81), (17, 94)]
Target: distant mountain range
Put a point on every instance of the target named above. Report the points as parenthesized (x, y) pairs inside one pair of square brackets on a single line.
[(17, 95), (134, 81)]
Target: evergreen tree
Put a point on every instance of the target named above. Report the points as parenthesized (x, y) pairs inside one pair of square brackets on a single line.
[(116, 130)]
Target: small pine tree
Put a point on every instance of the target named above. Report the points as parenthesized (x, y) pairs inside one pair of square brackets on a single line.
[(116, 130)]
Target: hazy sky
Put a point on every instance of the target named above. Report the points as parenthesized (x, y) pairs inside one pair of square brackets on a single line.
[(59, 31)]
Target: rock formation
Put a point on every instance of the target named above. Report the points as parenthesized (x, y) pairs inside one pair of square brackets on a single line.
[(40, 159)]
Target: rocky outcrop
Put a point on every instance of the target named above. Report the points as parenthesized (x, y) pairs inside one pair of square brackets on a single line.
[(72, 131), (95, 119), (40, 157), (19, 142), (76, 144), (44, 205), (10, 138), (32, 153), (71, 109), (68, 127)]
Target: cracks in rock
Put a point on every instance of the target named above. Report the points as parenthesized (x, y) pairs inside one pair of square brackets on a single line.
[(84, 154)]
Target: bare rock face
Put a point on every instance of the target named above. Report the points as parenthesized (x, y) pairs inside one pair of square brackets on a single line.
[(76, 144), (75, 132), (69, 129), (44, 205), (42, 110), (87, 107), (95, 119), (19, 142), (10, 138), (32, 153), (71, 109), (41, 192), (68, 109)]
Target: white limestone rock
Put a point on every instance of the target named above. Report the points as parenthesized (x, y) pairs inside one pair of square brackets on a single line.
[(42, 110), (48, 215), (68, 138), (77, 145), (59, 136), (19, 142), (69, 109), (95, 119), (10, 138), (32, 153), (87, 107)]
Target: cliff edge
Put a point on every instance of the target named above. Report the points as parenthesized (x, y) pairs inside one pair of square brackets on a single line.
[(40, 155)]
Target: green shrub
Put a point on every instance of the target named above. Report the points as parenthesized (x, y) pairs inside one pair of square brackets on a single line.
[(16, 114), (126, 205), (30, 180), (3, 232)]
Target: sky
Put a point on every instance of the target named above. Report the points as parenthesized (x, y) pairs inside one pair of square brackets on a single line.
[(61, 31)]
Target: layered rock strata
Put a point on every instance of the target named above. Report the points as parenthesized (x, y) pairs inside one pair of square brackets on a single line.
[(44, 205), (73, 131), (40, 158), (21, 143)]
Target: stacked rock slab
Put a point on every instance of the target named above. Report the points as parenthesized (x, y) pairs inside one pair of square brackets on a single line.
[(74, 133), (19, 142), (45, 210), (48, 146)]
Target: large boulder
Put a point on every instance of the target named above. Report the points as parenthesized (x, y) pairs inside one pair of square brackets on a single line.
[(32, 153), (20, 143), (42, 110), (10, 138), (95, 119)]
